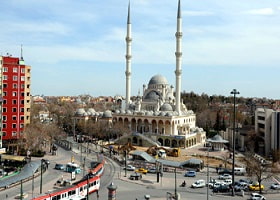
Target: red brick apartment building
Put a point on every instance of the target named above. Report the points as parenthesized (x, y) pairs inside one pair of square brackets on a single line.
[(15, 98)]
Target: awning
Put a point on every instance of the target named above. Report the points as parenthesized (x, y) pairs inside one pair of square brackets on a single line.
[(12, 157)]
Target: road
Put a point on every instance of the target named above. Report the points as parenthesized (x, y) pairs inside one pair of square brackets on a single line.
[(126, 189)]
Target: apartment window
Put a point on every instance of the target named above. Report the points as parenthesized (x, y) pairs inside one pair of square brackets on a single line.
[(4, 109), (21, 101), (14, 101), (14, 134), (5, 69), (4, 117), (21, 117), (14, 109), (22, 94), (14, 125), (5, 85), (4, 125), (14, 117), (14, 85), (22, 86), (22, 70), (4, 93), (21, 109), (14, 94), (4, 133), (15, 69), (22, 78), (4, 101), (5, 77), (21, 125)]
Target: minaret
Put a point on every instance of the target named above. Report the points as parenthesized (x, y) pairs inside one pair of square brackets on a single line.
[(128, 40), (178, 54), (21, 61)]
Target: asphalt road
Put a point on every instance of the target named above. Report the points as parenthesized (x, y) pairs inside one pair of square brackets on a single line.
[(126, 189)]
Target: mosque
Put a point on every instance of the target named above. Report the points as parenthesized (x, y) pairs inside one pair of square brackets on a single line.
[(158, 117)]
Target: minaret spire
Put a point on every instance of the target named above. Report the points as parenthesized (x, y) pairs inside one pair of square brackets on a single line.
[(21, 53), (21, 61), (178, 55), (128, 40)]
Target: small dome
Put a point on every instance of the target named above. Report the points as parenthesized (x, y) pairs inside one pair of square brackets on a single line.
[(80, 111), (91, 110), (107, 114), (158, 80), (166, 107), (153, 95)]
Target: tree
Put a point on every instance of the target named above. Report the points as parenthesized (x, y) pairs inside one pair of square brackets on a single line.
[(256, 167), (217, 125)]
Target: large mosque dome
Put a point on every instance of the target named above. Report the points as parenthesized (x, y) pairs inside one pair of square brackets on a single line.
[(158, 80)]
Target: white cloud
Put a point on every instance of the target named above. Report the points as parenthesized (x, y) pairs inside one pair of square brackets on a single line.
[(262, 11)]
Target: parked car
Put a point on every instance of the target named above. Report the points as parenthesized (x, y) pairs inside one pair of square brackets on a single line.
[(241, 186), (141, 170), (275, 186), (257, 196), (225, 176), (59, 166), (129, 168), (198, 184), (152, 170), (255, 186), (213, 183), (222, 188), (227, 182), (248, 181), (190, 173), (239, 171), (224, 171)]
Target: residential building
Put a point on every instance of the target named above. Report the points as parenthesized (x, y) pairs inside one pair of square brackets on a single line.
[(267, 128), (16, 99)]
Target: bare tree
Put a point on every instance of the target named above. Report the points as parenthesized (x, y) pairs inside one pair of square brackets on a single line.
[(257, 168)]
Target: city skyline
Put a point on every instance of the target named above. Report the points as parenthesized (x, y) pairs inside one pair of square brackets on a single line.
[(78, 47)]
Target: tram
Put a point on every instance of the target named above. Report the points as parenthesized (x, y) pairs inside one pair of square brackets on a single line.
[(80, 189)]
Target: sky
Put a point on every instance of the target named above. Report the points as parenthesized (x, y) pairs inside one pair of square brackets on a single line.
[(78, 47)]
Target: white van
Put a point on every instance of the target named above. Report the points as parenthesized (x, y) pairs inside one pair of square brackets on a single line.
[(239, 171), (198, 184)]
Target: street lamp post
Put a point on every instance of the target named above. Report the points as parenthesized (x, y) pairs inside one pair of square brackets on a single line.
[(41, 181), (234, 92), (176, 195), (207, 173)]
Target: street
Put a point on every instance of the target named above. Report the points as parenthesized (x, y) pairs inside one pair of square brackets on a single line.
[(126, 189)]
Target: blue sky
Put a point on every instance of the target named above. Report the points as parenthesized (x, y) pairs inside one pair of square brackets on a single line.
[(78, 47)]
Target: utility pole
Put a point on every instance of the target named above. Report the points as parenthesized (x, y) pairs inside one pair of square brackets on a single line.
[(234, 92)]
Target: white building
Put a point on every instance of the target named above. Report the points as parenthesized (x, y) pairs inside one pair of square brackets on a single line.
[(267, 128), (159, 114)]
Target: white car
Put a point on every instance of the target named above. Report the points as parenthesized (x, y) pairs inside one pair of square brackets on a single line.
[(152, 170), (198, 184), (227, 181), (225, 176), (130, 168), (257, 196), (275, 186)]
